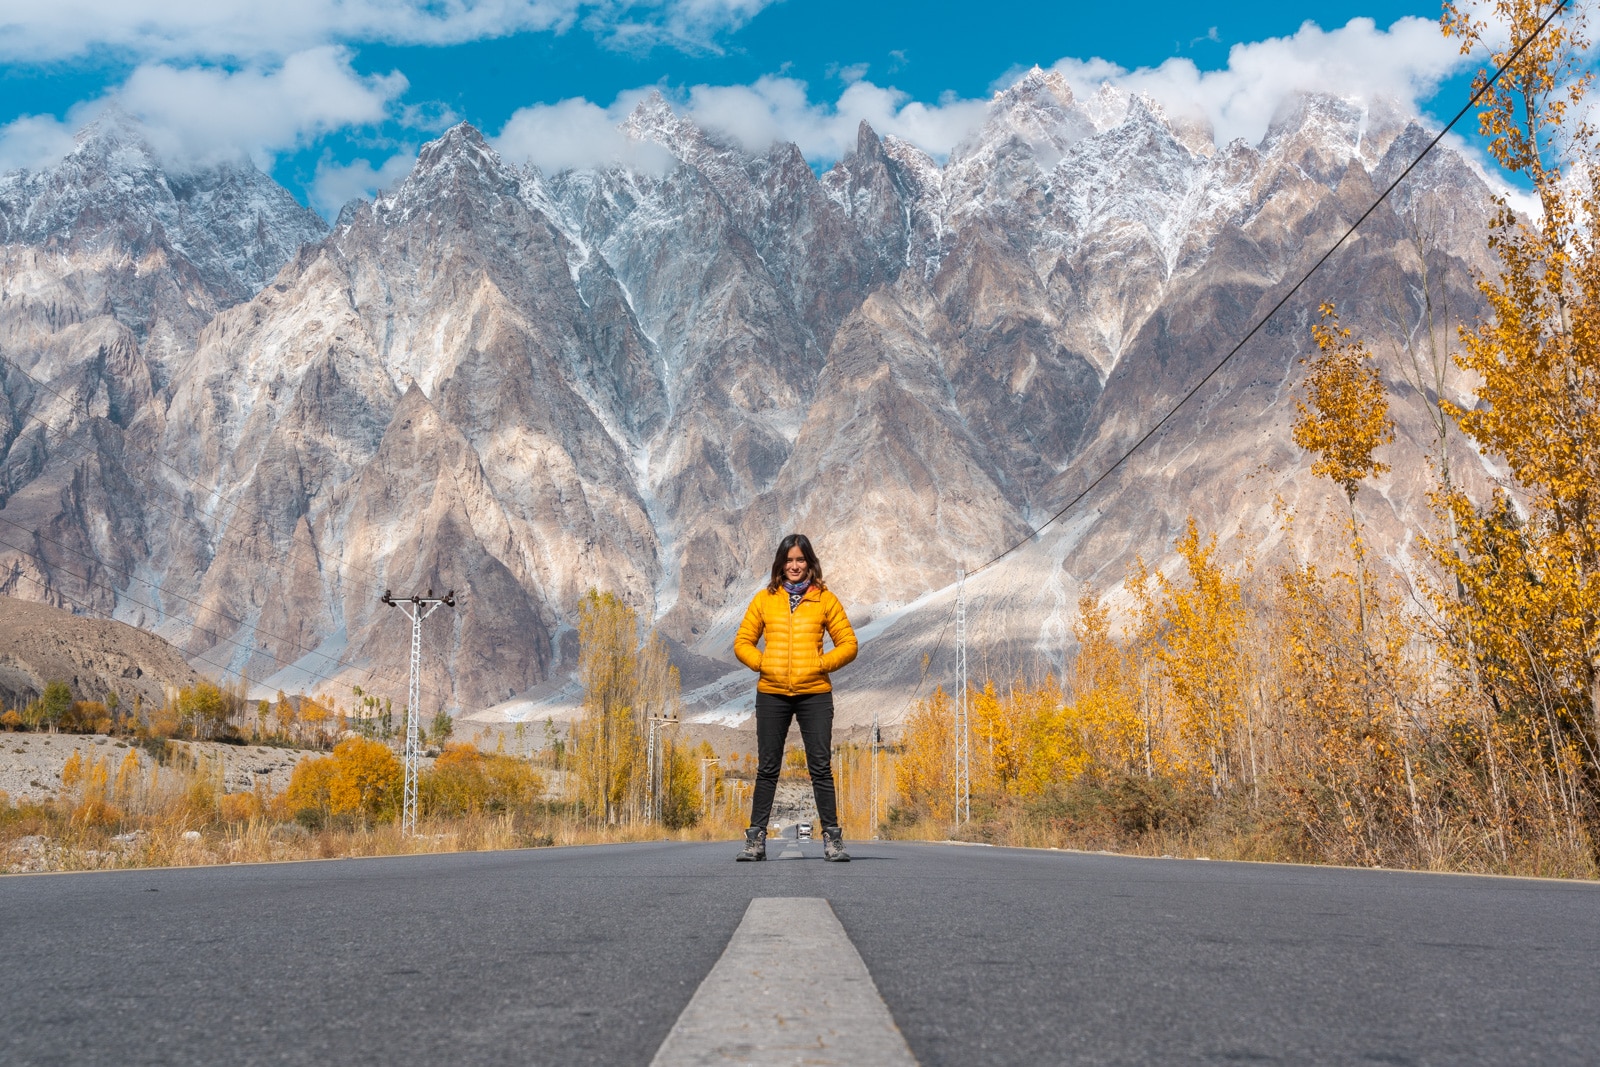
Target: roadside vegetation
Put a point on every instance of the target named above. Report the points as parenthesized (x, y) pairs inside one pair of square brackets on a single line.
[(1328, 714)]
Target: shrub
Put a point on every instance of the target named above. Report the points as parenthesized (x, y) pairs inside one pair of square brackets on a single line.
[(361, 778), (464, 781), (238, 807)]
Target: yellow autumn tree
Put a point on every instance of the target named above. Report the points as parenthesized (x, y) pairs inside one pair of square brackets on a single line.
[(924, 773), (1344, 419), (1523, 605), (1344, 416), (1106, 710), (1199, 622), (361, 779), (464, 781), (626, 684)]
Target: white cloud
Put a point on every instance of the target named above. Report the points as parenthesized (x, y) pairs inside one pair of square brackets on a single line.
[(691, 25), (576, 134), (201, 115), (1403, 64), (336, 184), (33, 142), (779, 109), (252, 30)]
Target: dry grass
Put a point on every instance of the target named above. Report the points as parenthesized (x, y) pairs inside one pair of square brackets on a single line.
[(145, 813), (1094, 819)]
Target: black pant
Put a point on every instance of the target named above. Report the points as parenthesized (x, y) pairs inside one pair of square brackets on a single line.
[(773, 714)]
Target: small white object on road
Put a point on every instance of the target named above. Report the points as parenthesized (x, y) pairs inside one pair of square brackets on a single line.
[(790, 988)]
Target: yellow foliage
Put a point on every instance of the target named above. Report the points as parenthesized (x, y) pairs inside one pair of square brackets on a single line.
[(1200, 623), (368, 778), (1345, 415), (72, 771), (925, 770), (625, 686), (95, 808), (128, 776), (239, 807), (1105, 710), (464, 781)]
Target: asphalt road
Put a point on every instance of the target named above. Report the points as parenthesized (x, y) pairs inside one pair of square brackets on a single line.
[(984, 956)]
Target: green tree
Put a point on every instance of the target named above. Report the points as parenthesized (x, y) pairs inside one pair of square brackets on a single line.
[(54, 703)]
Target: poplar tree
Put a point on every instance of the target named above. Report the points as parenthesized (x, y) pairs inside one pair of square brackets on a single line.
[(1526, 620)]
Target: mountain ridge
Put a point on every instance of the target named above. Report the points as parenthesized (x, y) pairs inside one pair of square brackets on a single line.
[(637, 378)]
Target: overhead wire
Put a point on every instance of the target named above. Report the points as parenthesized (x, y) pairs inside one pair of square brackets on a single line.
[(239, 508), (88, 580), (78, 450), (1082, 494), (1193, 390), (370, 672), (47, 588)]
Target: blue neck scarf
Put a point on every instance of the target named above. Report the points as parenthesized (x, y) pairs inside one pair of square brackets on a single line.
[(797, 592)]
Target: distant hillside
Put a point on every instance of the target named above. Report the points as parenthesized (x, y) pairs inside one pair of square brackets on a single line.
[(40, 644)]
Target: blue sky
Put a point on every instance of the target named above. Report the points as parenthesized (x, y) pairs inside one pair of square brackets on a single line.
[(334, 99)]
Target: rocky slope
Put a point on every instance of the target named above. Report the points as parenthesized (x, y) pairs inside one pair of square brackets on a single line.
[(40, 644), (521, 385)]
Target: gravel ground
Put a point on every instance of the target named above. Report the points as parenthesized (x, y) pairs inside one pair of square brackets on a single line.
[(30, 764)]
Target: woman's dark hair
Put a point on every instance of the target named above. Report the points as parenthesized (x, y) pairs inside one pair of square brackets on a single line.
[(803, 543)]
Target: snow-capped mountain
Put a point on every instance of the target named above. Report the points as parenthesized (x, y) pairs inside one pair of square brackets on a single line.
[(522, 385)]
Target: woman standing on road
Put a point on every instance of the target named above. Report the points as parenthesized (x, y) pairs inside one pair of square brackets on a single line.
[(793, 612)]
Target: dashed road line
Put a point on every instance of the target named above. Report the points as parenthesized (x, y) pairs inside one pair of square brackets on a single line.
[(789, 989)]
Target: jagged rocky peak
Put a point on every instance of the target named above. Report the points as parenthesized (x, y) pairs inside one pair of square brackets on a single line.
[(653, 121), (233, 223), (1037, 117), (1108, 106), (461, 160), (869, 146), (867, 156), (1322, 133)]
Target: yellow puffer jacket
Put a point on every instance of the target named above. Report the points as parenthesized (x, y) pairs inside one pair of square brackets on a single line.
[(793, 662)]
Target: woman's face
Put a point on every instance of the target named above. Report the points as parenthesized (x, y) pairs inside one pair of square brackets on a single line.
[(794, 566)]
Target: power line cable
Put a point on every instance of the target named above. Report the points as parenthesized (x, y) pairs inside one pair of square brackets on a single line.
[(1148, 434), (371, 672), (1154, 429), (78, 450), (47, 588), (86, 579)]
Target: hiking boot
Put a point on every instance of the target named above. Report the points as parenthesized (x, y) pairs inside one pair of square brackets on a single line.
[(833, 844), (755, 845)]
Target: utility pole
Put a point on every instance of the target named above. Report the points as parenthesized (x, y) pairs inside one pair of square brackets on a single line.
[(872, 755), (652, 751), (419, 608), (963, 736), (705, 781)]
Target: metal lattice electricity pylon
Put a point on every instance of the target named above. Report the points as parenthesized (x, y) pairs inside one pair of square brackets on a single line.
[(419, 608), (963, 734)]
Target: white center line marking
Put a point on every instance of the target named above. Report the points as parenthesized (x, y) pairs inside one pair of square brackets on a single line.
[(790, 988)]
